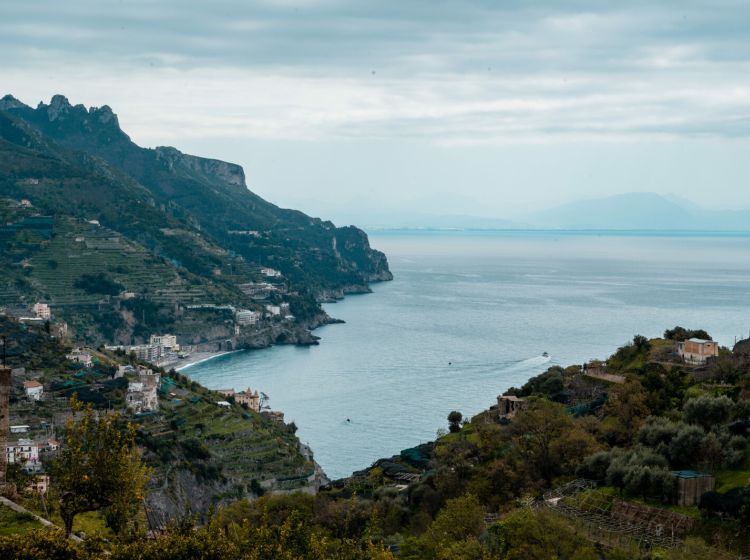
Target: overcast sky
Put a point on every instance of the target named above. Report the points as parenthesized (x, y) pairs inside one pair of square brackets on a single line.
[(481, 107)]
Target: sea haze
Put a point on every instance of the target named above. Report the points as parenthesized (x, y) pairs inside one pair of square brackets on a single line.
[(469, 314)]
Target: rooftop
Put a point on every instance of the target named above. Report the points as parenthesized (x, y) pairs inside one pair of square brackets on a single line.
[(689, 474)]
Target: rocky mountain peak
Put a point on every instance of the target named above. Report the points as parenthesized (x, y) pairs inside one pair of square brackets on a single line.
[(59, 101), (10, 102), (58, 106), (104, 115)]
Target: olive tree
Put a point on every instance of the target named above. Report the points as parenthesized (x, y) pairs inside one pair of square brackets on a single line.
[(98, 468), (708, 412)]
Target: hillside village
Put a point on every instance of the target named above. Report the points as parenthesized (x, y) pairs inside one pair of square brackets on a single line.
[(177, 422)]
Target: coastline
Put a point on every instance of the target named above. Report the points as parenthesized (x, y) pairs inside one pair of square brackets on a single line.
[(198, 358)]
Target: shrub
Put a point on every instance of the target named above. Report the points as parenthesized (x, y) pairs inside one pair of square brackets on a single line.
[(98, 283)]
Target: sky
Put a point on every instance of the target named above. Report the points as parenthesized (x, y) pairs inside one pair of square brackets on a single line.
[(476, 107)]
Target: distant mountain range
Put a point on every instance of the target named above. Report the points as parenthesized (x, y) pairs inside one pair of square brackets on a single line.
[(638, 211), (630, 211)]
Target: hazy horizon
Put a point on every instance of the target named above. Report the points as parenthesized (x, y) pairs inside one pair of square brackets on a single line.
[(463, 108)]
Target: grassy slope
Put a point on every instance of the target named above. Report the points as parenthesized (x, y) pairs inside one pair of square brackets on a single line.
[(12, 522)]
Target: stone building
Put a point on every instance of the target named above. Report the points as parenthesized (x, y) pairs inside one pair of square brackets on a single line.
[(696, 350), (273, 415), (595, 368), (143, 393), (81, 356), (508, 405), (249, 398)]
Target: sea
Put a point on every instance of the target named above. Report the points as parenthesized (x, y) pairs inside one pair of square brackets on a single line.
[(470, 314)]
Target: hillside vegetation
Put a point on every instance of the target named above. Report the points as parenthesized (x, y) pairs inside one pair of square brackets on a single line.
[(584, 470), (80, 198)]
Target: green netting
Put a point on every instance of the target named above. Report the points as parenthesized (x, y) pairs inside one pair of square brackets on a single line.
[(586, 408), (415, 456)]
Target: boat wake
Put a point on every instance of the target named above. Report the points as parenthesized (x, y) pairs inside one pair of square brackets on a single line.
[(528, 363), (502, 366), (535, 361)]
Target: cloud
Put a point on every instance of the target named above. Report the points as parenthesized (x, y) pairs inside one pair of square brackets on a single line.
[(448, 72)]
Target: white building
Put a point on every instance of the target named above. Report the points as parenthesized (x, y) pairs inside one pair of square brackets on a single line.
[(24, 450), (246, 317), (39, 484), (270, 272), (167, 342), (33, 389), (274, 310), (160, 350), (81, 356), (146, 352), (41, 310)]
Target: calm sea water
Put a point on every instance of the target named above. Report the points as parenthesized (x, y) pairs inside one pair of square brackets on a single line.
[(469, 315)]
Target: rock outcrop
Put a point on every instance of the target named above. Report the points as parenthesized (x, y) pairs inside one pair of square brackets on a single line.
[(208, 169)]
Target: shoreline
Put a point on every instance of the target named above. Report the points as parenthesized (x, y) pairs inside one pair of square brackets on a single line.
[(198, 358)]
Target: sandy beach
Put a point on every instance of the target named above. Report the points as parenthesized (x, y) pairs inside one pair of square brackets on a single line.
[(198, 357)]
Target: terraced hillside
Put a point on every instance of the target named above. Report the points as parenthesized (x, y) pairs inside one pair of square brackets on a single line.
[(80, 198), (201, 454), (51, 268)]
